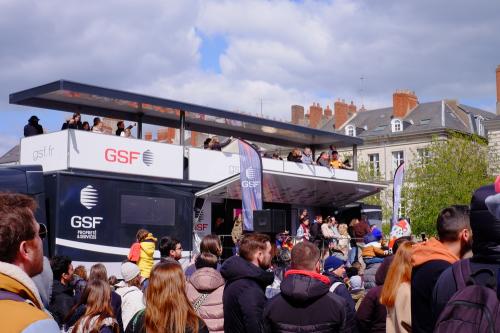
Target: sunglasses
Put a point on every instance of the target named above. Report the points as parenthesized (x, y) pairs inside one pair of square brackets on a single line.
[(43, 231)]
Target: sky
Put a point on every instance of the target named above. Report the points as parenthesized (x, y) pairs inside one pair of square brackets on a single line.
[(247, 54)]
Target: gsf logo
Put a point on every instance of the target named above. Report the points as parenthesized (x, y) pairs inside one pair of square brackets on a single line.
[(85, 222), (88, 199), (124, 156)]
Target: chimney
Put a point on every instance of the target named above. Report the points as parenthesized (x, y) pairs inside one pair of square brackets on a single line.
[(297, 114), (341, 113), (315, 114), (498, 90), (403, 101), (352, 108), (328, 112)]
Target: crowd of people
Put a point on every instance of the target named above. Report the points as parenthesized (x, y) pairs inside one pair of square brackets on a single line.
[(75, 122), (337, 278)]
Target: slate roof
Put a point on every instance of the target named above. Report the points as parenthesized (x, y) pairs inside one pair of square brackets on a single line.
[(425, 117), (12, 156)]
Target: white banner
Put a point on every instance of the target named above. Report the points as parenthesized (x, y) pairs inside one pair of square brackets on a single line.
[(48, 150), (102, 152)]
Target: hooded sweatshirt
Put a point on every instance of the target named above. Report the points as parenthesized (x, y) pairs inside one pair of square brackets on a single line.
[(132, 302), (244, 295), (208, 281), (27, 313), (429, 260), (146, 262), (306, 304)]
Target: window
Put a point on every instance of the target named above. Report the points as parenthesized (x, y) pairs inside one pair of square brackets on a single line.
[(137, 209), (423, 155), (398, 157), (396, 125), (350, 130), (425, 121), (374, 164), (380, 128), (479, 125)]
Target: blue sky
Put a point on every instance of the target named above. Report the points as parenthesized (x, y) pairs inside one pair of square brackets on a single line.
[(232, 54)]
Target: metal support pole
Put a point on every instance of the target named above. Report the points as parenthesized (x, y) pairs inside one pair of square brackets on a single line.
[(182, 128), (139, 122), (355, 157)]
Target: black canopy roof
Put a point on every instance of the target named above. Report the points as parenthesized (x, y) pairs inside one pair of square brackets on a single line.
[(87, 99)]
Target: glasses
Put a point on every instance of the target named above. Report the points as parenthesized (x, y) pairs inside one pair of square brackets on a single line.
[(42, 232)]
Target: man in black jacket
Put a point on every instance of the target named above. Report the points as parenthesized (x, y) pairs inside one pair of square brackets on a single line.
[(62, 298), (33, 127), (246, 280), (305, 303), (485, 224)]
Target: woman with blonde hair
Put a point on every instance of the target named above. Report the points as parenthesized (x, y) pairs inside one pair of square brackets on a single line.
[(98, 316), (396, 293), (168, 308)]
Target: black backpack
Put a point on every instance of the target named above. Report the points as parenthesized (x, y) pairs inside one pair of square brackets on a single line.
[(474, 307)]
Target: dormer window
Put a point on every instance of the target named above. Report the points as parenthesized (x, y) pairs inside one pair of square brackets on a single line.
[(479, 125), (350, 130), (396, 125)]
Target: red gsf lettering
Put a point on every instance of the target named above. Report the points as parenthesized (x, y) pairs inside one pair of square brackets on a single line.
[(120, 156)]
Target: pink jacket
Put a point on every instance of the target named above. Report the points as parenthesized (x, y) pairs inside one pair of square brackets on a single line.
[(208, 280)]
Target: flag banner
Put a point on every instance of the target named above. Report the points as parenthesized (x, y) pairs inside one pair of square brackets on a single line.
[(251, 182), (396, 198)]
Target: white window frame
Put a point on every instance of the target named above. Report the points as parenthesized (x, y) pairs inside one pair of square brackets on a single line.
[(350, 130), (398, 157), (396, 125), (479, 125), (424, 155), (374, 162)]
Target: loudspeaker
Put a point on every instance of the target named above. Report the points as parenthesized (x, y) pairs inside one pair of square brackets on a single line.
[(269, 221)]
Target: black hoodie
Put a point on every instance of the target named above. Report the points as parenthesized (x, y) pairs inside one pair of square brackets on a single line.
[(306, 304), (244, 295)]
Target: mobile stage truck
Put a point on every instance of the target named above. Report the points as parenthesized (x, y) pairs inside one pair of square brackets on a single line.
[(95, 190)]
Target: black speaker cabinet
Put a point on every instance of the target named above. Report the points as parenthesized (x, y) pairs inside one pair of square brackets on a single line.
[(269, 221)]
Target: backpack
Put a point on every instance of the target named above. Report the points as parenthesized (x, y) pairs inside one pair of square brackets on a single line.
[(474, 307), (135, 252)]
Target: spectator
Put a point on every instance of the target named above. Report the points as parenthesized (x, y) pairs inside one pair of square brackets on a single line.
[(357, 290), (276, 156), (62, 291), (124, 131), (131, 294), (206, 143), (396, 293), (21, 257), (33, 127), (112, 280), (205, 289), (334, 269), (142, 252), (43, 282), (280, 263), (316, 236), (431, 258), (170, 249), (98, 126), (99, 272), (210, 244), (344, 240), (335, 163), (295, 156), (237, 230), (305, 303), (372, 250), (98, 315), (485, 225), (307, 157), (360, 229), (303, 230), (86, 126), (216, 145), (246, 279), (73, 123), (327, 228), (120, 128), (323, 159), (167, 306), (79, 280)]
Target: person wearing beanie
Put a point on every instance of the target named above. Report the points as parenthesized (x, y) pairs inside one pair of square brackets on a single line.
[(131, 294), (485, 225), (334, 269), (33, 127), (431, 258), (357, 290)]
